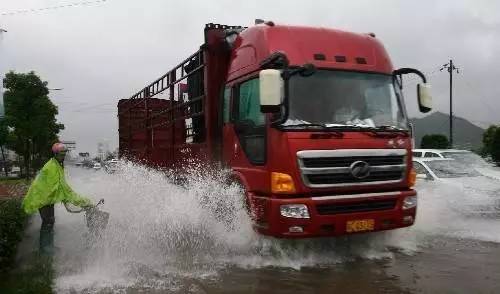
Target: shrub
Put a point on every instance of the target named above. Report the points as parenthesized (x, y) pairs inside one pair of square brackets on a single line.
[(434, 141), (12, 221)]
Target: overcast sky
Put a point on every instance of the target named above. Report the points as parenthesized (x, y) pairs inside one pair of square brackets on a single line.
[(105, 51)]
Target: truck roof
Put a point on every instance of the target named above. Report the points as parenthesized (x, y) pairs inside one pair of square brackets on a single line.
[(323, 47)]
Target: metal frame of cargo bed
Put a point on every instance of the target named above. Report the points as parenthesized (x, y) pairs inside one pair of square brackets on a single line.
[(178, 110), (143, 116)]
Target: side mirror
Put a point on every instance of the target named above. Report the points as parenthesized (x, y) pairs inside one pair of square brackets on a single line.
[(271, 87), (424, 98), (423, 90)]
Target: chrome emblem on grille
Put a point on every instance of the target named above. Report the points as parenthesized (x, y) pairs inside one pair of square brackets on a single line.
[(360, 169)]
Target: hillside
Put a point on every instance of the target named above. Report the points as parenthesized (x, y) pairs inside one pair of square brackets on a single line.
[(466, 135)]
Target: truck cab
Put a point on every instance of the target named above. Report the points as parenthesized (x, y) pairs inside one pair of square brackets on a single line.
[(311, 122)]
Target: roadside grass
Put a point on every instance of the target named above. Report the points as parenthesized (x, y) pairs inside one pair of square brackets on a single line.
[(13, 181), (12, 223), (13, 187), (33, 275)]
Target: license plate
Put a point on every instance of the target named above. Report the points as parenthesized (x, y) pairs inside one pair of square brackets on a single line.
[(360, 225)]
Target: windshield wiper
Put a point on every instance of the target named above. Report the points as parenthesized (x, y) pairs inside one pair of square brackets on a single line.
[(322, 127), (380, 131), (305, 125), (333, 128), (392, 129)]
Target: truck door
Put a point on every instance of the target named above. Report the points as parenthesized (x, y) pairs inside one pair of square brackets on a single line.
[(249, 124), (228, 135)]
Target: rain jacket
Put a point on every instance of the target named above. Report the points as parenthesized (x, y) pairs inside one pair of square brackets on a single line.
[(50, 187)]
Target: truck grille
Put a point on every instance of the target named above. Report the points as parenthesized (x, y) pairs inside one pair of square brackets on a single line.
[(331, 168), (347, 161), (338, 208)]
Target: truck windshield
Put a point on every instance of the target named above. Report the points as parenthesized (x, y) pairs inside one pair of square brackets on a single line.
[(345, 99)]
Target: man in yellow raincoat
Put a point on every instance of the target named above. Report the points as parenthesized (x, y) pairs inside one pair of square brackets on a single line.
[(48, 188)]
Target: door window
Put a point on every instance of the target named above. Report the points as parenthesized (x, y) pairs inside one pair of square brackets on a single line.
[(249, 103), (227, 105), (250, 122)]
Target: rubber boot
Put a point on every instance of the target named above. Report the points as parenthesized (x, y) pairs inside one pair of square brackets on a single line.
[(47, 229)]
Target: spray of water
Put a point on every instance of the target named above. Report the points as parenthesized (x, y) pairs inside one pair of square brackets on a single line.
[(160, 232)]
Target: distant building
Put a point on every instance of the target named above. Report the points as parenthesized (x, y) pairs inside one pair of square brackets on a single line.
[(102, 149), (71, 145), (83, 156), (9, 155)]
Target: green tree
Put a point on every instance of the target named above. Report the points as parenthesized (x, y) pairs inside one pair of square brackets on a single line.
[(435, 141), (488, 136), (494, 145), (32, 117), (4, 135)]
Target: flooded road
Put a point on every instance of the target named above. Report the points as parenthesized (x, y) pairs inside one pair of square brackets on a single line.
[(162, 238), (467, 268)]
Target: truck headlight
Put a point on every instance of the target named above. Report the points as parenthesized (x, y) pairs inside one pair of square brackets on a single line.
[(294, 211), (410, 202)]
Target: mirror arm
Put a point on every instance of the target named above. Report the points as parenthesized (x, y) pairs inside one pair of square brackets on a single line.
[(277, 59), (399, 79), (286, 75), (283, 118), (407, 70)]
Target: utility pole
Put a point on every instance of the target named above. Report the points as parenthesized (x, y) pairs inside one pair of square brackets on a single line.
[(450, 67), (2, 109)]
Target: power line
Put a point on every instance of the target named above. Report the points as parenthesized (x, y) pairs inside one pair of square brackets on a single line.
[(34, 10)]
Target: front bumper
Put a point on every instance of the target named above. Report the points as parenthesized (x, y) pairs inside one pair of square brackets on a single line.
[(269, 221)]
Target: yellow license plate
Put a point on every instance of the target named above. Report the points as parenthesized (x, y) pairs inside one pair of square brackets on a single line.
[(360, 225)]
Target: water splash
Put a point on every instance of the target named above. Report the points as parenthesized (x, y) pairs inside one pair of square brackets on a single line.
[(160, 233)]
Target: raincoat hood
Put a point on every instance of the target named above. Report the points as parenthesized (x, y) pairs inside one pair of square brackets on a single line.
[(50, 187)]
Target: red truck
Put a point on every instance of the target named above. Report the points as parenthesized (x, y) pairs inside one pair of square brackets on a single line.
[(311, 122)]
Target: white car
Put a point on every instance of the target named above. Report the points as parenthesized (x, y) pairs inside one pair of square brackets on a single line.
[(440, 169), (97, 166), (15, 172), (464, 156), (469, 189), (458, 154)]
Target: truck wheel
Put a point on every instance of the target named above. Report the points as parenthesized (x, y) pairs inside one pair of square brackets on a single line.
[(246, 201)]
